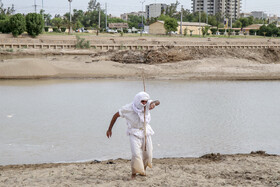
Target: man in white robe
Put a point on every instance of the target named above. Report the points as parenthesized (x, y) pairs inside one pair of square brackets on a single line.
[(141, 145)]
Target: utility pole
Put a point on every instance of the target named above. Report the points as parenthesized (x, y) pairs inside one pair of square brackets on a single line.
[(231, 15), (181, 20), (70, 12), (35, 6), (199, 23), (98, 19), (43, 14), (142, 25), (106, 16)]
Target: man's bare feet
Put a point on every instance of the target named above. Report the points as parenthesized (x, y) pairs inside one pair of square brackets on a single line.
[(133, 176)]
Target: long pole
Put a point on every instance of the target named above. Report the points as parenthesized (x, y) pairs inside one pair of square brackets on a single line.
[(199, 23), (142, 25), (181, 20), (106, 17), (145, 131), (70, 12), (99, 17), (35, 5), (43, 14)]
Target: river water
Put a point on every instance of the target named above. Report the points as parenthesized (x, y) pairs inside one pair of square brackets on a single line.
[(66, 120)]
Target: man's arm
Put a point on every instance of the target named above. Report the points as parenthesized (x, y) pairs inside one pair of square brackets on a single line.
[(154, 104), (114, 118)]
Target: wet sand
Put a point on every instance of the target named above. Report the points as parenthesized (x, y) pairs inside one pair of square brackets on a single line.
[(212, 170)]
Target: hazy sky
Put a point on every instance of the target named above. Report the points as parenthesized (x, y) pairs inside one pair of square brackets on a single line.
[(117, 7)]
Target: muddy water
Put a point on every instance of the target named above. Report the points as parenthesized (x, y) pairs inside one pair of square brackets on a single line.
[(66, 120)]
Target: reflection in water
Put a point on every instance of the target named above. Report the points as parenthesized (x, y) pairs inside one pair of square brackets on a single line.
[(66, 120)]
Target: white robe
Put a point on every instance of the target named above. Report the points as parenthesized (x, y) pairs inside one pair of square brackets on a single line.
[(135, 130)]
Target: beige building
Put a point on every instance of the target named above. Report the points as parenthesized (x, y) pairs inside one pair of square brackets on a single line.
[(118, 25), (192, 27)]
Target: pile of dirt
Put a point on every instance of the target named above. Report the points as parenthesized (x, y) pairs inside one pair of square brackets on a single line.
[(213, 156), (151, 56), (176, 54)]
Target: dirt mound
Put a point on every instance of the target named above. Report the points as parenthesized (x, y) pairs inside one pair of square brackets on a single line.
[(176, 54), (213, 156), (150, 56)]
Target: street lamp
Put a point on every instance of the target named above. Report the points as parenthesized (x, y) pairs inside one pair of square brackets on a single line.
[(70, 27), (142, 17)]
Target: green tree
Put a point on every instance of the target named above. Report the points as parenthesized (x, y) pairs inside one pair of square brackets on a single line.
[(78, 15), (47, 17), (93, 5), (5, 25), (213, 31), (170, 24), (115, 20), (163, 17), (17, 24), (205, 30), (244, 22), (262, 30), (57, 22), (152, 20), (172, 9), (6, 11), (237, 24), (134, 21), (77, 25), (34, 24)]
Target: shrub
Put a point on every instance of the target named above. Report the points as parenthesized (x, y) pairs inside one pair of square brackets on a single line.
[(170, 24), (125, 30), (253, 31), (55, 29), (34, 24), (213, 31), (237, 32), (17, 24), (46, 29), (205, 30), (63, 29), (5, 26), (81, 43), (221, 31)]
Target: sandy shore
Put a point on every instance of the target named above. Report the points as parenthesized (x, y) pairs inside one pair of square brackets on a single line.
[(174, 63), (212, 170), (85, 66)]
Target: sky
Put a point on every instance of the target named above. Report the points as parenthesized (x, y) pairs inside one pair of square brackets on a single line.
[(117, 7)]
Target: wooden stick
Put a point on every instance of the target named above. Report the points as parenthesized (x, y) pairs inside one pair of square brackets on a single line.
[(143, 78), (145, 132)]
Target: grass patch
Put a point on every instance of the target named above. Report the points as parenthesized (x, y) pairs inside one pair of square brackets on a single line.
[(81, 43)]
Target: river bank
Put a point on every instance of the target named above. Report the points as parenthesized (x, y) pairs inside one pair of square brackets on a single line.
[(255, 169), (87, 66), (170, 61)]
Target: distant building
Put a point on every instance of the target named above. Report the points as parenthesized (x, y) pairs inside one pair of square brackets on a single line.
[(155, 10), (192, 27), (273, 19), (245, 15), (230, 8), (140, 13), (259, 14), (118, 26)]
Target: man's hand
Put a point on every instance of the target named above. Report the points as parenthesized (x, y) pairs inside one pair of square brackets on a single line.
[(109, 133), (152, 106)]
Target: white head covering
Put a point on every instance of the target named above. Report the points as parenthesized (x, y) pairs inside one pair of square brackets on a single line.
[(138, 107)]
